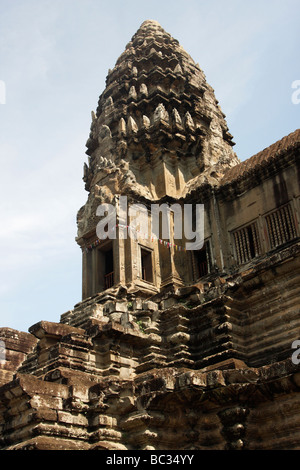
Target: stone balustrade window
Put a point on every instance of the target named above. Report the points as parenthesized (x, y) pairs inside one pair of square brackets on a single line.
[(281, 226), (247, 243)]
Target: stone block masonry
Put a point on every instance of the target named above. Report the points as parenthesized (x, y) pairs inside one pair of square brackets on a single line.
[(169, 349)]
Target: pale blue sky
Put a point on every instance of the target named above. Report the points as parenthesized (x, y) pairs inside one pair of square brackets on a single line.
[(54, 58)]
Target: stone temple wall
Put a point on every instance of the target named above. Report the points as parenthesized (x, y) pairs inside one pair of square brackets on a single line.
[(168, 348)]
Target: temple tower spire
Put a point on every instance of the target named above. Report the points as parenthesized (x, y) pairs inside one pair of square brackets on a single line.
[(158, 120), (158, 133)]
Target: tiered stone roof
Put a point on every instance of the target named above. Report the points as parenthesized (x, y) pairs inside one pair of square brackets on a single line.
[(156, 103)]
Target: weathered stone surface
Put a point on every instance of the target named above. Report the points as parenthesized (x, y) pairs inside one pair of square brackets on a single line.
[(14, 347), (55, 330), (169, 348)]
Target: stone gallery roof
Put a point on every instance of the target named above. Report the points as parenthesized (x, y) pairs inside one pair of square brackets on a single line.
[(280, 147)]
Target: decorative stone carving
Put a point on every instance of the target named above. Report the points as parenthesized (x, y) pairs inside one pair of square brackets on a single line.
[(146, 122), (132, 125), (143, 89), (132, 93), (176, 117), (160, 114), (178, 69), (122, 127), (105, 132), (188, 121), (168, 348)]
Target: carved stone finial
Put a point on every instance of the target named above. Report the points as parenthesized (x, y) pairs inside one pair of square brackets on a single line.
[(132, 93), (146, 122), (143, 89), (104, 132), (176, 117), (188, 121), (160, 114), (132, 125), (122, 127), (178, 69)]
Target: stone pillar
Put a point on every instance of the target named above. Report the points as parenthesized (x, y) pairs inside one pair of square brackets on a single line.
[(87, 272)]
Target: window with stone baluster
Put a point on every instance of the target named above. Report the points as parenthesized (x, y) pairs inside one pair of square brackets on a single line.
[(247, 243), (281, 226)]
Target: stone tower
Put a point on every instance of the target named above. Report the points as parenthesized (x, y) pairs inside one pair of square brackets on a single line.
[(157, 134), (170, 348)]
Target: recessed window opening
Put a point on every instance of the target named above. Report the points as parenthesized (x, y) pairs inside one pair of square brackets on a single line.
[(146, 264), (281, 227), (109, 269), (105, 267), (247, 243), (202, 261)]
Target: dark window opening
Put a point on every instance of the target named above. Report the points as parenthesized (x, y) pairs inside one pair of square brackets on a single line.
[(105, 268), (281, 227), (146, 259), (252, 250), (202, 261), (109, 269), (247, 243)]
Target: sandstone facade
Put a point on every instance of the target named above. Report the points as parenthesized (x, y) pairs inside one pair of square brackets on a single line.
[(169, 348)]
